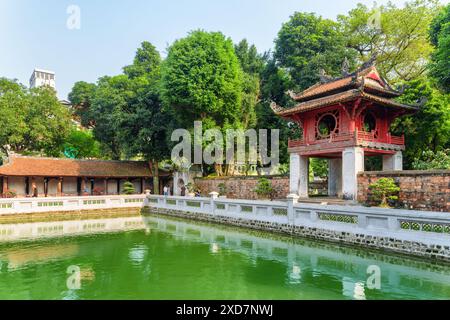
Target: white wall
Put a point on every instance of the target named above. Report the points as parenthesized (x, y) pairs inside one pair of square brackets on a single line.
[(17, 184), (70, 186)]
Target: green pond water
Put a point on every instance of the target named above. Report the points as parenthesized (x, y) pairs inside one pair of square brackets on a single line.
[(160, 258)]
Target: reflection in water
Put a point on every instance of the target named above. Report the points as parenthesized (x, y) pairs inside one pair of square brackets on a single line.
[(162, 258)]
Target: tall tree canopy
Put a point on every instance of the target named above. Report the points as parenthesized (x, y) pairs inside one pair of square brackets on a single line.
[(146, 63), (81, 99), (429, 129), (82, 144), (202, 80), (440, 38), (252, 64), (33, 120), (308, 43), (399, 36), (111, 97), (145, 126)]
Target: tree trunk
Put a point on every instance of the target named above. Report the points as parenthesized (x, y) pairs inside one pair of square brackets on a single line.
[(155, 177), (219, 169)]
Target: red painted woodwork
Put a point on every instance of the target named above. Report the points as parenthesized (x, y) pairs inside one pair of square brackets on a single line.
[(350, 127)]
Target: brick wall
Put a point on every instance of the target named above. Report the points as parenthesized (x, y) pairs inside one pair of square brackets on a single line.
[(420, 190), (242, 187)]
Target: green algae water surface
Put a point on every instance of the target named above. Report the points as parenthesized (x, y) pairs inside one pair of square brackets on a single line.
[(161, 258)]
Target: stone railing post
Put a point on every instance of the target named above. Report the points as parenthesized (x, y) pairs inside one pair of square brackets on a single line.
[(214, 195), (146, 202), (292, 200)]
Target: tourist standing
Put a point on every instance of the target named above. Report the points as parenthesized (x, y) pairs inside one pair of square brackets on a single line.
[(166, 191), (34, 189)]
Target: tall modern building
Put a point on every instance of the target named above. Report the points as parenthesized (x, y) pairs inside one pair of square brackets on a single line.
[(41, 78)]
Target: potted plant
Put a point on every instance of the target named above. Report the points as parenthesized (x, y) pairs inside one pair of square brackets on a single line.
[(9, 194), (98, 191), (191, 187), (383, 190), (222, 190), (264, 189), (128, 188)]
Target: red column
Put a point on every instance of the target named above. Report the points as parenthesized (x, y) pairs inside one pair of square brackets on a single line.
[(83, 185), (5, 184)]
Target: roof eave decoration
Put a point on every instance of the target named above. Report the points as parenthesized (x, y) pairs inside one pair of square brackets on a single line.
[(276, 108)]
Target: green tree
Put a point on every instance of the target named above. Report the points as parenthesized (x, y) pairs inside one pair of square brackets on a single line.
[(145, 126), (440, 38), (147, 61), (81, 99), (13, 105), (112, 97), (252, 64), (33, 121), (48, 122), (429, 160), (429, 128), (201, 79), (275, 82), (83, 143), (308, 43), (398, 35), (249, 58)]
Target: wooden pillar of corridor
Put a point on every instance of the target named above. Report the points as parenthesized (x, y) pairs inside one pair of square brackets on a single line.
[(83, 186), (105, 187), (4, 184), (59, 191)]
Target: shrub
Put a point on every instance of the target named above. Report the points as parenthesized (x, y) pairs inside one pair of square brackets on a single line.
[(432, 160), (97, 191), (383, 190), (222, 189), (191, 187), (264, 188), (128, 188), (9, 194)]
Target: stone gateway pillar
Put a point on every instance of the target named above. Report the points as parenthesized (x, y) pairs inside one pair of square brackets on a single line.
[(352, 164), (294, 173), (393, 162), (334, 177), (299, 175)]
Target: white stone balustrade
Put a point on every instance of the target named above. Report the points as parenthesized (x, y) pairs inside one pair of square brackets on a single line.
[(32, 205), (409, 225)]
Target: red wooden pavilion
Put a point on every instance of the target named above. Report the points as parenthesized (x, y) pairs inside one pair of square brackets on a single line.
[(344, 120)]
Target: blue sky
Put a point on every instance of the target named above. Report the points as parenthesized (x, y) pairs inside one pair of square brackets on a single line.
[(34, 34)]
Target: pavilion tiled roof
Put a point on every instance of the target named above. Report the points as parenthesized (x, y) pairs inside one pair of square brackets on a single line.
[(366, 84), (340, 97), (53, 167), (368, 78)]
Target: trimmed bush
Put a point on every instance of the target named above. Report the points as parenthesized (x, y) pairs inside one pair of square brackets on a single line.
[(128, 188), (383, 190)]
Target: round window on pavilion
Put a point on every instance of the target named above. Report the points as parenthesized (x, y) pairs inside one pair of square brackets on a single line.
[(370, 122), (326, 125)]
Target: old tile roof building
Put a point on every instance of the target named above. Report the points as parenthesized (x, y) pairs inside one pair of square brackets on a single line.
[(57, 177)]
